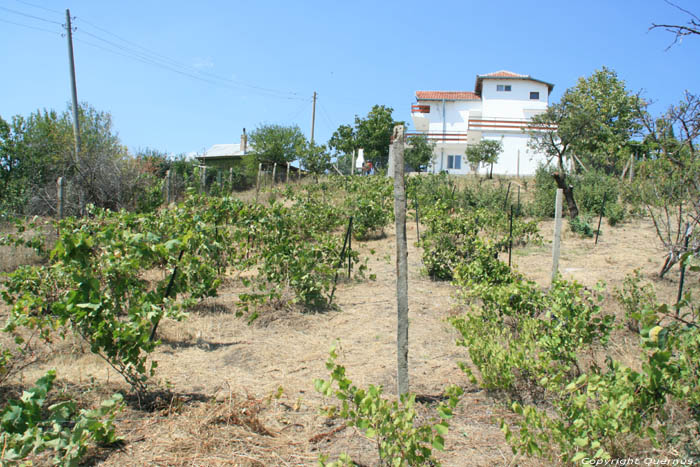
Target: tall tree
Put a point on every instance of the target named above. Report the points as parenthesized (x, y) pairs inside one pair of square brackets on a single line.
[(277, 143), (419, 152), (486, 152), (343, 142), (602, 115), (372, 133), (592, 125), (274, 144), (39, 148)]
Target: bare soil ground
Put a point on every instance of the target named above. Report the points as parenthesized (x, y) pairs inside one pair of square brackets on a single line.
[(244, 395)]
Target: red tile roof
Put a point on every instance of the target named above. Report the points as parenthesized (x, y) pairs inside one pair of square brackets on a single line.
[(506, 74), (503, 74), (447, 95)]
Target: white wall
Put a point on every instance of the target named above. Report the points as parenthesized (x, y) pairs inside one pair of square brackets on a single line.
[(515, 103), (456, 114), (514, 144)]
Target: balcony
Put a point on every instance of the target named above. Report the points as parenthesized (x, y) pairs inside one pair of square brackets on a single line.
[(440, 137), (420, 108), (505, 124), (420, 112)]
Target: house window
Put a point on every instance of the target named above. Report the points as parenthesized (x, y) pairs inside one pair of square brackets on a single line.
[(454, 162), (503, 87), (535, 96)]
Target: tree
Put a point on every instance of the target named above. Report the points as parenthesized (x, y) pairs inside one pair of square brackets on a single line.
[(691, 28), (277, 143), (419, 152), (372, 133), (487, 152), (592, 125), (344, 144), (668, 181), (274, 144), (38, 149), (316, 159), (602, 117)]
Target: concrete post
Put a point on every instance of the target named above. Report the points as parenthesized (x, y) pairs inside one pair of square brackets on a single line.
[(397, 150), (556, 244), (60, 195)]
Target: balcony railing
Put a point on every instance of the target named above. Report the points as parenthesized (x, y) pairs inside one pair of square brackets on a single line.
[(451, 136), (494, 123), (420, 108)]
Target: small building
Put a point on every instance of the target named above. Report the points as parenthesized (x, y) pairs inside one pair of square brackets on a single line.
[(225, 156), (500, 107)]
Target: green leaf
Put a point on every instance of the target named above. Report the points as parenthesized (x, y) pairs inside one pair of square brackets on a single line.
[(441, 428)]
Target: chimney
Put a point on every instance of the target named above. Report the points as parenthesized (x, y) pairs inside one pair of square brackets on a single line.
[(244, 142)]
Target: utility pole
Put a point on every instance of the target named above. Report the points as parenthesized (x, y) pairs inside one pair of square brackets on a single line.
[(76, 123), (313, 118), (74, 90)]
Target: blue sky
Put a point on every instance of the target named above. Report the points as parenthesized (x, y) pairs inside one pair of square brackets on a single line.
[(224, 65)]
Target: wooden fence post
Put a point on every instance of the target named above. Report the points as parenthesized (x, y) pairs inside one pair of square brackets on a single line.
[(397, 150), (203, 180), (274, 173), (60, 195), (257, 182), (556, 244), (510, 237), (167, 187), (600, 219), (230, 178)]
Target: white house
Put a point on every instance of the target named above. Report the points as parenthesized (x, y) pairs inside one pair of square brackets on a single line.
[(499, 108)]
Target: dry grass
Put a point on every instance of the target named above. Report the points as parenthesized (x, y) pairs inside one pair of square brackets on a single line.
[(244, 394), (11, 257)]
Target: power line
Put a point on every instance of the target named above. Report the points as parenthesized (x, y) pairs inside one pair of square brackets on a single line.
[(148, 62), (30, 27), (30, 16), (295, 113), (148, 54), (39, 6), (327, 115), (128, 53)]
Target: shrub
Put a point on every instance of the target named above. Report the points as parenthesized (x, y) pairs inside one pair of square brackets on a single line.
[(582, 225), (399, 441), (545, 193), (30, 428)]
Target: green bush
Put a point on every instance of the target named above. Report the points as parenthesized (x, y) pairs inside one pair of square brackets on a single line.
[(545, 194), (589, 190), (615, 213), (30, 428), (582, 225), (400, 442)]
